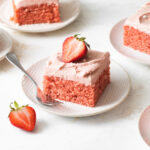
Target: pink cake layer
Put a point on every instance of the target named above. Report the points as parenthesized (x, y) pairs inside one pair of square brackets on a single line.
[(36, 14), (136, 39), (76, 92)]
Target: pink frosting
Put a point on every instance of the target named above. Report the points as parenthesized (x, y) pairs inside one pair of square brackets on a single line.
[(141, 19), (24, 3), (86, 71)]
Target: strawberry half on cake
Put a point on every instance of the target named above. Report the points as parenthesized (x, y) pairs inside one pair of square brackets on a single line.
[(36, 11), (137, 30), (77, 74)]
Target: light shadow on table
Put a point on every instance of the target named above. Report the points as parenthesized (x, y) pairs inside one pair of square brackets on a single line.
[(4, 65), (41, 125)]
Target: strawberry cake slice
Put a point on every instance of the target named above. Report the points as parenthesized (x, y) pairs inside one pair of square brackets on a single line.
[(137, 30), (35, 11), (81, 78)]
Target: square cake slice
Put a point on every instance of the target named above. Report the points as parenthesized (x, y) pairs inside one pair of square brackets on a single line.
[(81, 82), (36, 11), (137, 30)]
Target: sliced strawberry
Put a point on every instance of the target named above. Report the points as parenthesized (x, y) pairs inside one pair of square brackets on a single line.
[(23, 117), (74, 48)]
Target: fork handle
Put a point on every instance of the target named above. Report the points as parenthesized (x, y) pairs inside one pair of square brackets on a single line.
[(12, 58)]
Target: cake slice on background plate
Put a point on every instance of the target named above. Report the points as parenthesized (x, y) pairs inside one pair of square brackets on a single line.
[(137, 30), (77, 74), (35, 11)]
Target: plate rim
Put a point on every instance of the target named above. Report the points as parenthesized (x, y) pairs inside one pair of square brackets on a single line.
[(48, 29), (139, 122), (77, 115), (118, 51)]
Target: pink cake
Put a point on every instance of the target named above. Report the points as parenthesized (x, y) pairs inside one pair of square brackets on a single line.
[(137, 30), (81, 82), (36, 11)]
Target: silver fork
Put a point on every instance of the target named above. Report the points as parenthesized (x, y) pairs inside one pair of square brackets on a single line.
[(12, 58)]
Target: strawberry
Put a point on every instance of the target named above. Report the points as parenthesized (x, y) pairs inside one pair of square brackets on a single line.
[(23, 117), (74, 48)]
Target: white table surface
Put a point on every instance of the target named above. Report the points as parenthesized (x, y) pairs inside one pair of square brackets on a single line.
[(114, 130)]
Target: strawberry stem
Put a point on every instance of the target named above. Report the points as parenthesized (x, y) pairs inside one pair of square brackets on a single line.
[(16, 105), (12, 108), (76, 35), (82, 39)]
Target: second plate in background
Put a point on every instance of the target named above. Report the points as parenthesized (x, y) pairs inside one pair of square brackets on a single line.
[(116, 39)]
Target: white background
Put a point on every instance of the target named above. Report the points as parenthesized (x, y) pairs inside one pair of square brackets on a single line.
[(114, 130)]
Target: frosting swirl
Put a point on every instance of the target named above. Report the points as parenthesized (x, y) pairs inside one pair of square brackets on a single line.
[(86, 71), (24, 3), (141, 19)]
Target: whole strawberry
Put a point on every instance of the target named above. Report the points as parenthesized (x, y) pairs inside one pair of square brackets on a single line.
[(74, 48), (23, 117)]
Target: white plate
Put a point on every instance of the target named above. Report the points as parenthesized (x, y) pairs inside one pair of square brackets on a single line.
[(5, 43), (144, 125), (114, 94), (69, 10), (116, 39)]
